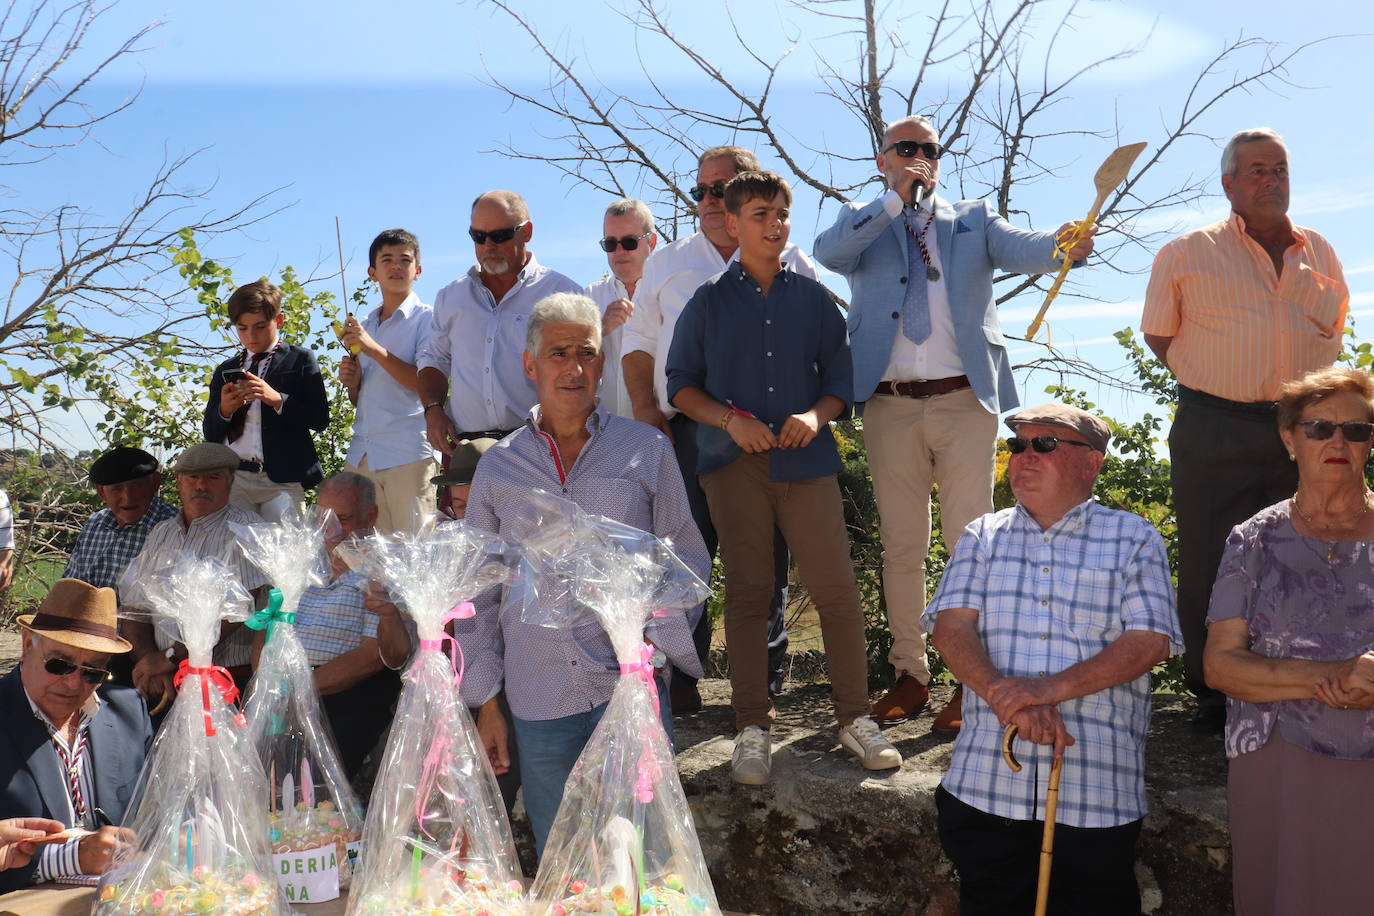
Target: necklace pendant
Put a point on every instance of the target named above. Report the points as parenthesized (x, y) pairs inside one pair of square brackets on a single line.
[(932, 272)]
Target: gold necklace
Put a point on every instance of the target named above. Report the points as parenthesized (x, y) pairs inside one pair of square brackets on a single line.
[(1331, 545)]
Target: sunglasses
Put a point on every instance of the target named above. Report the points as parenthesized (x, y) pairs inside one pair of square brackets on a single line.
[(1042, 444), (628, 242), (1353, 430), (60, 667), (716, 189), (907, 149), (497, 236)]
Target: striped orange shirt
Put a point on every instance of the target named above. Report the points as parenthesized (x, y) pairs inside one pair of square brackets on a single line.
[(1239, 330)]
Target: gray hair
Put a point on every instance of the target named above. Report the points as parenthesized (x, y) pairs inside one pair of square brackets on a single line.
[(513, 202), (637, 207), (908, 120), (363, 487), (562, 308), (1230, 153)]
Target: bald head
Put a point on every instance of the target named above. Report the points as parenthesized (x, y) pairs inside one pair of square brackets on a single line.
[(513, 204)]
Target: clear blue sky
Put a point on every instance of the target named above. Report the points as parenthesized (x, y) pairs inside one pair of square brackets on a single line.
[(377, 114)]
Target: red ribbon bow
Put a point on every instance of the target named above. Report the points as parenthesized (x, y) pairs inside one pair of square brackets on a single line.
[(221, 678)]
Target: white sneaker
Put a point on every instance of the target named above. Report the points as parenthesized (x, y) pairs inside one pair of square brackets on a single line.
[(750, 764), (864, 740)]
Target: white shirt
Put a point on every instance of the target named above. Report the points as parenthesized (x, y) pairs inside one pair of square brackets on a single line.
[(613, 394), (389, 425), (6, 522), (938, 356), (248, 446), (477, 343), (672, 275)]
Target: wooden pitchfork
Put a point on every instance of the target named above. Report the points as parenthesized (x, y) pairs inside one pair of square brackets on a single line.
[(1042, 889), (1110, 173)]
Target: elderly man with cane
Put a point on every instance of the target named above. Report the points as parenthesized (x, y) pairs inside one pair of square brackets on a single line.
[(1052, 613)]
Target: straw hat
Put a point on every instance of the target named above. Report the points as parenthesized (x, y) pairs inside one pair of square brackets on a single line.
[(80, 615)]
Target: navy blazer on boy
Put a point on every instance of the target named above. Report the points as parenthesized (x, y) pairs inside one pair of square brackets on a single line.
[(288, 451), (869, 247), (31, 781)]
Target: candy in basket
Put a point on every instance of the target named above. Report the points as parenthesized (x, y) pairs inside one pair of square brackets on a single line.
[(315, 820), (436, 841), (200, 822), (623, 841)]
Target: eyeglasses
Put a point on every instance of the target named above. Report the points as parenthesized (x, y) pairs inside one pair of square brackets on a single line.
[(1042, 444), (715, 189), (1353, 430), (497, 236), (60, 667), (628, 242), (907, 149)]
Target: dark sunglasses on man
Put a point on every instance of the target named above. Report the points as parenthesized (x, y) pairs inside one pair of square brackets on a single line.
[(628, 242), (1042, 444), (497, 236), (715, 189), (1353, 430), (907, 149), (60, 667)]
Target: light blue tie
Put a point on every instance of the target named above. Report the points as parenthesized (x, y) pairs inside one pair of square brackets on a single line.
[(915, 308)]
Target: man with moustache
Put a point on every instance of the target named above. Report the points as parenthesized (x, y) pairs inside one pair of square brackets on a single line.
[(670, 279), (205, 476), (1234, 310), (472, 383), (628, 238)]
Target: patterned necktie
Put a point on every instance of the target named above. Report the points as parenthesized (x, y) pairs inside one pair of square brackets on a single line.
[(915, 308), (240, 417)]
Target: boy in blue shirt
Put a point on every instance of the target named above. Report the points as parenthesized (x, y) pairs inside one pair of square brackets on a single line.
[(760, 359)]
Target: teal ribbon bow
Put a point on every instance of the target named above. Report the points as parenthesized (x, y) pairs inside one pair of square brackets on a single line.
[(271, 615)]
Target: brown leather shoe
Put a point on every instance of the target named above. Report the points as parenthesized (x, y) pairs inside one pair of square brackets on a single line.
[(906, 698), (951, 718)]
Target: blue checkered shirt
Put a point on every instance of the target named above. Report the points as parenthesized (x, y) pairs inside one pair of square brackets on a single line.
[(626, 472), (331, 619), (1047, 600), (104, 548)]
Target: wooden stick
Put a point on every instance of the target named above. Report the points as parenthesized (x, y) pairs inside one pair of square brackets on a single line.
[(1042, 889)]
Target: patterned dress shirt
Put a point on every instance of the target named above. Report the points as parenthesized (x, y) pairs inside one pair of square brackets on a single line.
[(331, 619), (1047, 600), (104, 548), (209, 536), (626, 472)]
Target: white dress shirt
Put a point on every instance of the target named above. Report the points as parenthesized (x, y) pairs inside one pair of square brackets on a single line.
[(671, 275), (389, 425), (938, 356), (613, 394), (477, 343), (248, 445)]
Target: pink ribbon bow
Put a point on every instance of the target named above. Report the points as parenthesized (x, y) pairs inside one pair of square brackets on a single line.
[(461, 611), (647, 769)]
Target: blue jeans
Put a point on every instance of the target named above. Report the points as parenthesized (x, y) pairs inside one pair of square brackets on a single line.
[(548, 750)]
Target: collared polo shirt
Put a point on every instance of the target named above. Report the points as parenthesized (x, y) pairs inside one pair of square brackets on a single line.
[(389, 424)]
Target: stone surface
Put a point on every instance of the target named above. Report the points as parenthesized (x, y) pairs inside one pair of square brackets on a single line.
[(827, 837)]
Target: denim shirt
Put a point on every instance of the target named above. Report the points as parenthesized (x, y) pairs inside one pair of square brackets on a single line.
[(771, 355)]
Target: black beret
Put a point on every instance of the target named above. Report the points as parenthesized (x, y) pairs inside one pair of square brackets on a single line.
[(121, 464)]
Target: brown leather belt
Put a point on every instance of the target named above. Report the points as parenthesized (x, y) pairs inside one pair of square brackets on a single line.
[(923, 388)]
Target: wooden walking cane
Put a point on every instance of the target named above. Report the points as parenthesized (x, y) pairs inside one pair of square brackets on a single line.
[(1042, 889), (1110, 173)]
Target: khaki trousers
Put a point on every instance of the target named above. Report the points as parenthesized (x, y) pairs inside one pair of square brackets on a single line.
[(912, 443), (404, 493), (255, 491), (746, 507)]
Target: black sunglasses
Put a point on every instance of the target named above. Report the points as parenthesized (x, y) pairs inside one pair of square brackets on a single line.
[(628, 242), (715, 189), (1042, 444), (1353, 430), (907, 149), (498, 236), (60, 667)]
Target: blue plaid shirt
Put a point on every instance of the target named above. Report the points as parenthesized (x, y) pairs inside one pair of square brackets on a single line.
[(1047, 600), (104, 548), (331, 619)]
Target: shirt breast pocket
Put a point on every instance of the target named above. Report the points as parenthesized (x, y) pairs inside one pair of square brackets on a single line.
[(1087, 608), (1318, 297)]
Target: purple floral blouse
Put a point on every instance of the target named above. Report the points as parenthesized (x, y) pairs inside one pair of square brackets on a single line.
[(1301, 599)]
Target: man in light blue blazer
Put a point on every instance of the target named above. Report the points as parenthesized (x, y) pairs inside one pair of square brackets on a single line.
[(931, 372)]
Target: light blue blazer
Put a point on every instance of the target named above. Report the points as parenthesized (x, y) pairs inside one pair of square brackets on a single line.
[(870, 248)]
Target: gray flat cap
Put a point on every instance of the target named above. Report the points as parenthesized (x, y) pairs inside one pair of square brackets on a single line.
[(206, 457)]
